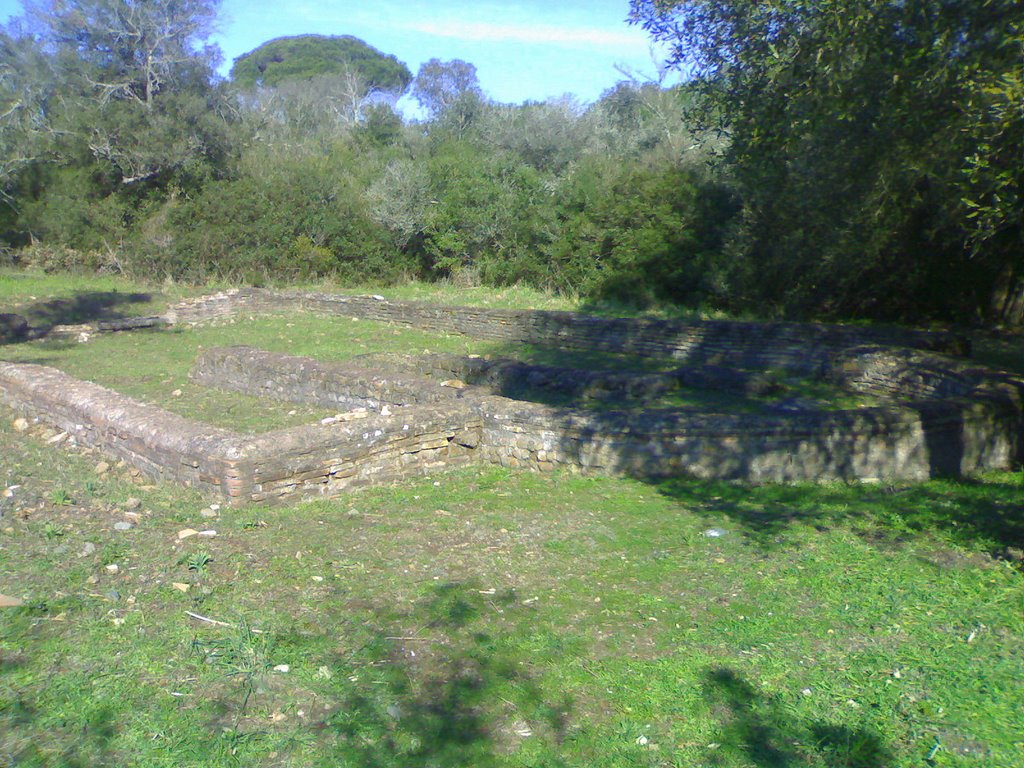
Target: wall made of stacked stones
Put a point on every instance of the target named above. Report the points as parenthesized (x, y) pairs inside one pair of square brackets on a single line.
[(913, 440), (276, 466), (801, 347), (328, 459), (865, 444), (305, 380), (161, 444), (957, 420)]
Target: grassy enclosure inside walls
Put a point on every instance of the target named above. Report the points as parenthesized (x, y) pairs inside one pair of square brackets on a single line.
[(482, 616)]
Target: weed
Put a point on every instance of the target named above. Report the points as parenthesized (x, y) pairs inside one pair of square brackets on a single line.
[(244, 655), (53, 531), (60, 498), (196, 561), (114, 550)]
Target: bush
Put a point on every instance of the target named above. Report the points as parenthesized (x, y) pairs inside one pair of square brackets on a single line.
[(287, 218), (75, 208), (643, 235)]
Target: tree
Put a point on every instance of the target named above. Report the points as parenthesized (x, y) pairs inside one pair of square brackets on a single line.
[(449, 90), (546, 135), (875, 141), (289, 59), (132, 81), (24, 90), (128, 49)]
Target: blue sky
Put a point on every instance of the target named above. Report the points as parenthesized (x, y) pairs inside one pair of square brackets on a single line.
[(530, 49)]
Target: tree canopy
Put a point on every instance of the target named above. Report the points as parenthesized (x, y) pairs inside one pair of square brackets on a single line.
[(287, 59), (827, 159), (878, 142)]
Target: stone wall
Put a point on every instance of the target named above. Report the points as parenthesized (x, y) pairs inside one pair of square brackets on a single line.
[(377, 380), (305, 380), (955, 418), (801, 347), (276, 466), (327, 459), (159, 443), (968, 421), (909, 443)]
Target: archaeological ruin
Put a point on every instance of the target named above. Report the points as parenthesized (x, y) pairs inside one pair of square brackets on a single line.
[(402, 416)]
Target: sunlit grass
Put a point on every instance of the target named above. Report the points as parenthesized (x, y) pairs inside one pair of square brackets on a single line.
[(486, 617)]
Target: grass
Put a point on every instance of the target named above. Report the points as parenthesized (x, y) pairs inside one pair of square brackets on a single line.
[(161, 359), (485, 617)]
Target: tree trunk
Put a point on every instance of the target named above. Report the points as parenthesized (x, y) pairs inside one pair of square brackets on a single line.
[(1008, 297)]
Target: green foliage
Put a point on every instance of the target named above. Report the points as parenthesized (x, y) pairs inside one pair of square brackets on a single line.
[(286, 217), (75, 207), (874, 141), (451, 94), (197, 561), (380, 126), (548, 136), (307, 56), (106, 105), (642, 235), (132, 82), (442, 85), (869, 160), (484, 218)]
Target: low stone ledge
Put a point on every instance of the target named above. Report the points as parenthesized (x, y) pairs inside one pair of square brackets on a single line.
[(160, 443), (306, 380), (865, 444), (326, 460), (910, 375), (933, 434), (284, 464), (801, 347)]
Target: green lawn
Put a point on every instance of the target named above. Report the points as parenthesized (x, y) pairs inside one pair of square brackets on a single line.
[(486, 617)]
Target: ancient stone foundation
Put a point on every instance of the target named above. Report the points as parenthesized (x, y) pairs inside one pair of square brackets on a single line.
[(799, 347), (413, 416)]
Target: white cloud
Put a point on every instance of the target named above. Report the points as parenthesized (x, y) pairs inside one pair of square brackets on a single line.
[(531, 34)]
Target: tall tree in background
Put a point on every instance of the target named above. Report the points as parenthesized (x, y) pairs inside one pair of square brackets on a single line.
[(449, 91), (287, 59), (135, 79), (317, 85), (879, 144)]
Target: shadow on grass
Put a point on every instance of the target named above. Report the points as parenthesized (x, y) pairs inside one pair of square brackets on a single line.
[(86, 743), (83, 307), (449, 694), (978, 515), (760, 730)]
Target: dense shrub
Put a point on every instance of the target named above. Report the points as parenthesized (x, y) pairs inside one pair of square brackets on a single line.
[(285, 218), (643, 235), (847, 158), (73, 207)]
